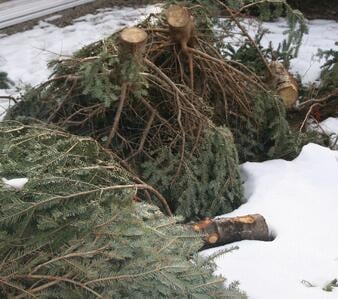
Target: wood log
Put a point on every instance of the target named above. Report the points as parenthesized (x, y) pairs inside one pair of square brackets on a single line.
[(284, 84), (223, 231), (132, 42)]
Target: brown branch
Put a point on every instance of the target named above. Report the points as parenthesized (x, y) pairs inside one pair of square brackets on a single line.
[(159, 196), (124, 89), (320, 100), (5, 282), (307, 116), (144, 137), (57, 279), (62, 102)]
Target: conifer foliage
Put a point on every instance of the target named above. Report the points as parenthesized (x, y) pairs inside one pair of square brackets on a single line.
[(166, 99), (209, 183), (329, 74), (75, 231)]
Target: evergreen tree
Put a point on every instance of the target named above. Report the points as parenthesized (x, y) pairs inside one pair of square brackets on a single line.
[(209, 183), (75, 230)]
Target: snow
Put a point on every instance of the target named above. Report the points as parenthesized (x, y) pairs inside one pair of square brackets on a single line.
[(299, 200), (25, 55), (330, 125), (16, 184)]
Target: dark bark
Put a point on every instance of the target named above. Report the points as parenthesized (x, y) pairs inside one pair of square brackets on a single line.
[(228, 230)]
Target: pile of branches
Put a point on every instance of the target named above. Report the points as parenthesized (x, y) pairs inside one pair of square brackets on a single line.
[(145, 87), (77, 230), (165, 87)]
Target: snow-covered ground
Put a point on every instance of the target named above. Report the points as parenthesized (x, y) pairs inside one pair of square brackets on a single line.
[(299, 199)]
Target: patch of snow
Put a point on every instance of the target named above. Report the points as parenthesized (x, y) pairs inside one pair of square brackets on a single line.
[(299, 200), (53, 18), (330, 125), (16, 184)]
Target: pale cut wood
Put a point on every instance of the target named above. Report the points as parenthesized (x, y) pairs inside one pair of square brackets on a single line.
[(133, 35), (133, 41), (181, 25), (178, 16), (284, 84)]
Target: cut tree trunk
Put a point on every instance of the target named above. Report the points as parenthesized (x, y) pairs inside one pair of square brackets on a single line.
[(223, 231), (181, 24), (132, 42), (284, 84), (181, 27), (132, 45)]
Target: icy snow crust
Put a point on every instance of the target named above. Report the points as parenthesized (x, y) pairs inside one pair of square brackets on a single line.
[(299, 199)]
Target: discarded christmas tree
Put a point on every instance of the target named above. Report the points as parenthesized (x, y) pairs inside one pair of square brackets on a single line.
[(165, 87), (76, 230)]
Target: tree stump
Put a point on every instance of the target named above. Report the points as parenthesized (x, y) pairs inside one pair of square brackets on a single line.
[(227, 230)]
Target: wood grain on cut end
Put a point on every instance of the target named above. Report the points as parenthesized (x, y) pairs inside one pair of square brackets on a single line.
[(178, 16), (133, 35), (212, 238)]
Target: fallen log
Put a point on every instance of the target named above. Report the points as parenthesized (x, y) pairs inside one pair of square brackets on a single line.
[(223, 231)]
